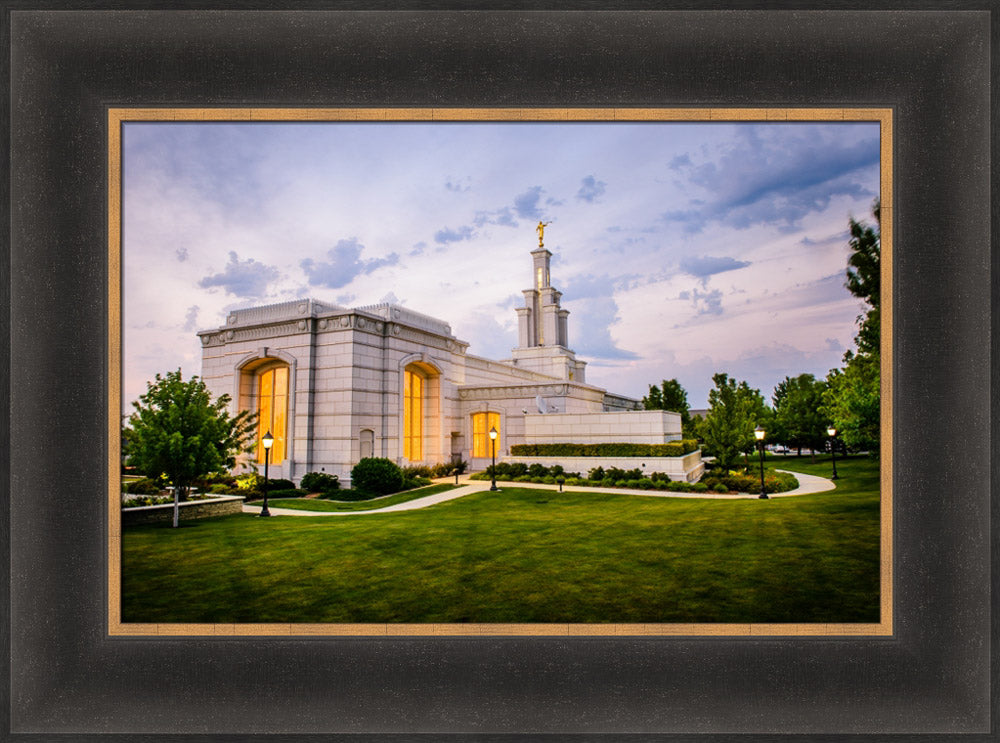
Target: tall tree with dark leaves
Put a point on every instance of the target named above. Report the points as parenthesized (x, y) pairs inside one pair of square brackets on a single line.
[(852, 400)]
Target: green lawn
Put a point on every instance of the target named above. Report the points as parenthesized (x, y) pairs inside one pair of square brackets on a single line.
[(317, 504), (524, 555)]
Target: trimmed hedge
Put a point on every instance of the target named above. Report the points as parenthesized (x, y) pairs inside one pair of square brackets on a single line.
[(733, 481), (319, 482), (377, 475), (670, 449)]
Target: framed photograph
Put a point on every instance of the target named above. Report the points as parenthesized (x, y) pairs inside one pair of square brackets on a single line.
[(141, 143), (347, 378)]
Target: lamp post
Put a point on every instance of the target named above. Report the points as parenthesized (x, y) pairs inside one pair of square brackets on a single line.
[(758, 433), (493, 467), (833, 449), (268, 441)]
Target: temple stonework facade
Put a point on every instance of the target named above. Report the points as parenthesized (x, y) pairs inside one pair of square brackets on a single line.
[(335, 384)]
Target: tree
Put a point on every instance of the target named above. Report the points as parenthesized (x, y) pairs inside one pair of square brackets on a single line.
[(852, 402), (864, 277), (177, 431), (852, 399), (734, 411), (799, 412), (670, 395)]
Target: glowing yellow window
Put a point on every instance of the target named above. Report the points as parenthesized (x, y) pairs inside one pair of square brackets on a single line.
[(272, 410), (413, 416), (482, 446)]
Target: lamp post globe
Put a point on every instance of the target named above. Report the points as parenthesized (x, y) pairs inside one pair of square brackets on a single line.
[(759, 434), (267, 440), (832, 432), (493, 467)]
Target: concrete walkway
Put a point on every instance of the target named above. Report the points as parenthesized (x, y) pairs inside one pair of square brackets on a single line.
[(807, 484)]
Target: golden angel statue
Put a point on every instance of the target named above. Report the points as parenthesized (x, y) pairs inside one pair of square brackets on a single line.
[(540, 229)]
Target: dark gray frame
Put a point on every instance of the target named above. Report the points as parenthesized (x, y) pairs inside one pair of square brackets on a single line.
[(931, 678)]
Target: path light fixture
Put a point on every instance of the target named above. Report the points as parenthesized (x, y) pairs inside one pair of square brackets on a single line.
[(268, 441), (560, 480), (759, 433), (493, 467), (832, 432)]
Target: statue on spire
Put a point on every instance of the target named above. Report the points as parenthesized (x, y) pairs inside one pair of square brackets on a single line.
[(540, 229)]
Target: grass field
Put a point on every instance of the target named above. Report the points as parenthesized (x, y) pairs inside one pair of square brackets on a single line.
[(525, 555)]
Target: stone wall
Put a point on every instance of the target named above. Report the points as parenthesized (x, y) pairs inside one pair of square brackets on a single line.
[(688, 468), (634, 427), (193, 509)]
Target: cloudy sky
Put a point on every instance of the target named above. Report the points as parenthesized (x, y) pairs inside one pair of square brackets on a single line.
[(681, 249)]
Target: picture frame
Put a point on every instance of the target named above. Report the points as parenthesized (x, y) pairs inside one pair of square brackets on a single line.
[(68, 675)]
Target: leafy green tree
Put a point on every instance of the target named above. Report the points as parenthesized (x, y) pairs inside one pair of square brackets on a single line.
[(734, 411), (852, 402), (670, 395), (864, 277), (177, 431), (799, 412), (852, 399)]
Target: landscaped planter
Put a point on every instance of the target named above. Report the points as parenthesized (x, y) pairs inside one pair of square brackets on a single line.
[(223, 505), (688, 468)]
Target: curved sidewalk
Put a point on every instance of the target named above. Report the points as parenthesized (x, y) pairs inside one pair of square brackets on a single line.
[(807, 484)]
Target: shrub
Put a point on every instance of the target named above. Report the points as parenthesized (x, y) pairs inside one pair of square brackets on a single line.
[(699, 487), (409, 483), (646, 484), (286, 493), (597, 473), (537, 470), (549, 480), (522, 478), (249, 481), (670, 449), (720, 488), (377, 475), (447, 469), (416, 471), (518, 469), (146, 500), (572, 481), (278, 484), (320, 482), (215, 479), (145, 486)]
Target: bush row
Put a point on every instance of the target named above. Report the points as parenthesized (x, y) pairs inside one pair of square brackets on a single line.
[(444, 469), (640, 483), (614, 477), (741, 482), (670, 449)]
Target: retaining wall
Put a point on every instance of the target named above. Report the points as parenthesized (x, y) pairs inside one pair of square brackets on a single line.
[(192, 509), (688, 468)]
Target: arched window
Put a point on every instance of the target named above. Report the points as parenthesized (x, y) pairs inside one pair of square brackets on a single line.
[(482, 446), (413, 415), (272, 410)]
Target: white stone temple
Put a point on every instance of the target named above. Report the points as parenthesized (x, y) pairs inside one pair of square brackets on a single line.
[(335, 384)]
